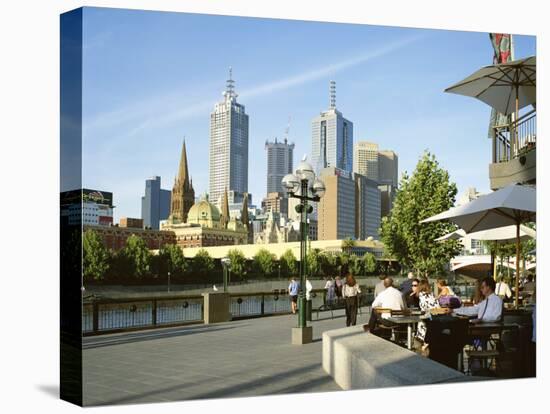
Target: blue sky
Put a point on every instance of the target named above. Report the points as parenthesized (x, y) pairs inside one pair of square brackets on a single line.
[(152, 78)]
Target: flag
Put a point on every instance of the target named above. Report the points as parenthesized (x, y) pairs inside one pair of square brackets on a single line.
[(502, 53)]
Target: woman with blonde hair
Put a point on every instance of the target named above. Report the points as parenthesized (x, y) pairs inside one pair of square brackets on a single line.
[(443, 289), (350, 293)]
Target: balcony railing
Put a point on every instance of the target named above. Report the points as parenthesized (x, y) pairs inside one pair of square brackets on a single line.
[(101, 316), (515, 139)]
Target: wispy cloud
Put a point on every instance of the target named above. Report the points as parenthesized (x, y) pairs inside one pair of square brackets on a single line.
[(155, 113)]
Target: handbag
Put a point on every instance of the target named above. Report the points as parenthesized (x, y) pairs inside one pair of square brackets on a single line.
[(449, 301)]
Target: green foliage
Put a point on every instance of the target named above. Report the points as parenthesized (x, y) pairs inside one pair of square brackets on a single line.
[(203, 264), (369, 263), (238, 263), (313, 260), (348, 244), (264, 262), (171, 259), (355, 265), (428, 191), (95, 256), (329, 264), (136, 257), (288, 263)]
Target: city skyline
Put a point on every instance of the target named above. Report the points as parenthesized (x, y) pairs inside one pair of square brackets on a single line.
[(400, 107)]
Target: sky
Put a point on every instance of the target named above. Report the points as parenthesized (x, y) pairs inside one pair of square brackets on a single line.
[(151, 79)]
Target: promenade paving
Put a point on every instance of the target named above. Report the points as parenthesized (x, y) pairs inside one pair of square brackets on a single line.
[(249, 357)]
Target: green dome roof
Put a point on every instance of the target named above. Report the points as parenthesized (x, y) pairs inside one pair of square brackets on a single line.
[(204, 213)]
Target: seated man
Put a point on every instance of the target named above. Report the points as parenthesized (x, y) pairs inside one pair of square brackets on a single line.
[(390, 298), (489, 309)]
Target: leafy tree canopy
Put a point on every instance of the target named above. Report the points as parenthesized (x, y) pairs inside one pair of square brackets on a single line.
[(428, 191)]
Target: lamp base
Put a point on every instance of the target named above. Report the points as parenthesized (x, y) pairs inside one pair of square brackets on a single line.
[(302, 336)]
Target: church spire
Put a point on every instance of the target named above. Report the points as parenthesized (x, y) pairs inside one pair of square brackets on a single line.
[(183, 173), (183, 195), (244, 215), (225, 210)]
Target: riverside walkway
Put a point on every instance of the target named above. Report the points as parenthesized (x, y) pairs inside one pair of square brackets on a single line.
[(241, 358)]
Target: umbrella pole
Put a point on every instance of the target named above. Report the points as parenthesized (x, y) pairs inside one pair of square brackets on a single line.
[(517, 264)]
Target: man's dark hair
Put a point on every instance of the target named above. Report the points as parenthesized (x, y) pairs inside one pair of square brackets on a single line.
[(530, 277), (388, 281), (489, 282), (416, 280)]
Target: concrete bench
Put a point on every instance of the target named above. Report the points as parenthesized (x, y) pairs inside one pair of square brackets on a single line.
[(359, 360)]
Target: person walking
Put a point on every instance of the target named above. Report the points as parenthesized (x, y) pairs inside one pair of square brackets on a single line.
[(329, 286), (293, 288), (349, 293)]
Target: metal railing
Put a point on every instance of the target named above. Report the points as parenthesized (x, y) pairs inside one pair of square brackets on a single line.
[(101, 316), (516, 139)]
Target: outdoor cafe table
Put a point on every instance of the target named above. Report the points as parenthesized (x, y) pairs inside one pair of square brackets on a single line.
[(406, 320)]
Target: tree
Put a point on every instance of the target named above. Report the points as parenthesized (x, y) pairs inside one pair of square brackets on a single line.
[(95, 256), (264, 262), (329, 263), (313, 260), (203, 263), (355, 265), (348, 244), (288, 263), (428, 191), (171, 259), (369, 263), (136, 256), (237, 266)]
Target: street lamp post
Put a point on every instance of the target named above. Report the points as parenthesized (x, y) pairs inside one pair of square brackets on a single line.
[(225, 264), (168, 281), (304, 186)]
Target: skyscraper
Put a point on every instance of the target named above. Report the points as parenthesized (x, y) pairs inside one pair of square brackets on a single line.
[(350, 206), (228, 145), (387, 168), (183, 194), (155, 204), (366, 159), (332, 138), (388, 179), (279, 164)]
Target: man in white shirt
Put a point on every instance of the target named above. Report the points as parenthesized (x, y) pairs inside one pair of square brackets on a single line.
[(489, 309), (379, 287), (390, 298), (503, 290)]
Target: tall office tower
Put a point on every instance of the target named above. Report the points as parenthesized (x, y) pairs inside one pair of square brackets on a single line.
[(332, 138), (336, 210), (183, 194), (155, 204), (366, 159), (367, 208), (387, 168), (349, 208), (388, 179), (279, 164), (228, 145)]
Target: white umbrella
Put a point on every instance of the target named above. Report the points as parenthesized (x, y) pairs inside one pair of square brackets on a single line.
[(504, 234), (454, 235), (511, 205), (507, 87)]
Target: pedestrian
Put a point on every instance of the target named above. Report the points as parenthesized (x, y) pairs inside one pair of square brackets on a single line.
[(293, 293), (350, 294), (338, 287), (406, 286), (329, 286)]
